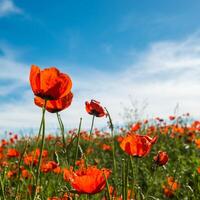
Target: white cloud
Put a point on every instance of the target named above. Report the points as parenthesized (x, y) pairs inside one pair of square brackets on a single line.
[(8, 7), (13, 73), (166, 73)]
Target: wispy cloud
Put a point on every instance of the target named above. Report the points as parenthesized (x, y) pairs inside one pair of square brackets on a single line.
[(164, 74), (150, 21), (8, 7), (13, 73)]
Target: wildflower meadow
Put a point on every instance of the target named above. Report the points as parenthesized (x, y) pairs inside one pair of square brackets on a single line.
[(146, 159)]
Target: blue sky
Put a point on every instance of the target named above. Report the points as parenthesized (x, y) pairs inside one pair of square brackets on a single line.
[(98, 34), (113, 49)]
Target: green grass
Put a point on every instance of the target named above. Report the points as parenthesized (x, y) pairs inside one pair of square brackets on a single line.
[(140, 176)]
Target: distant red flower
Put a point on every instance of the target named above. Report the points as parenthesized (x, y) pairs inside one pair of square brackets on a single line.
[(50, 137), (80, 163), (106, 147), (37, 153), (49, 83), (159, 119), (26, 174), (57, 170), (32, 157), (94, 108), (1, 155), (4, 142), (119, 138), (172, 118), (136, 127), (12, 153), (49, 166), (137, 145), (198, 170), (12, 141), (4, 164), (11, 174), (161, 158), (15, 136), (55, 105), (197, 142), (88, 180), (65, 197), (29, 160), (170, 188), (1, 149)]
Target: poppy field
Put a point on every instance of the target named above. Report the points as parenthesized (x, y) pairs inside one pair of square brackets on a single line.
[(154, 159)]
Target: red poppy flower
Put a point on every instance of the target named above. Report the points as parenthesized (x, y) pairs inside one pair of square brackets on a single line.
[(137, 145), (161, 158), (4, 142), (37, 153), (49, 166), (11, 174), (94, 108), (26, 174), (57, 170), (136, 127), (88, 180), (119, 138), (106, 147), (15, 137), (30, 160), (171, 187), (12, 153), (80, 163), (49, 83), (172, 118), (55, 105)]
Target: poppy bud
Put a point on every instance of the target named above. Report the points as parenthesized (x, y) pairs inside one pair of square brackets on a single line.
[(94, 108), (161, 158)]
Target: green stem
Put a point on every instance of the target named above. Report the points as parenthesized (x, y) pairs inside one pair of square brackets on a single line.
[(90, 137), (113, 144), (123, 180), (135, 181), (19, 172), (41, 149), (153, 180), (92, 125), (133, 176), (77, 144), (107, 187), (126, 178), (62, 129), (2, 188), (39, 132), (37, 141)]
